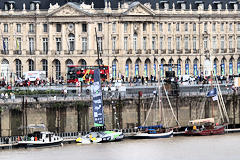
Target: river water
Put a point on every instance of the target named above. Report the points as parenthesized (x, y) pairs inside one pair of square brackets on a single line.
[(220, 147)]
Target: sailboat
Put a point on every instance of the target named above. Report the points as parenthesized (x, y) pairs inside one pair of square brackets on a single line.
[(156, 131), (207, 126), (98, 133)]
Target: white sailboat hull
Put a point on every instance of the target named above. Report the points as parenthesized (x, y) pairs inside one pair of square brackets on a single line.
[(152, 135)]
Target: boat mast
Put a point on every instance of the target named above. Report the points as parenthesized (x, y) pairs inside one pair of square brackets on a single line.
[(159, 94), (97, 48)]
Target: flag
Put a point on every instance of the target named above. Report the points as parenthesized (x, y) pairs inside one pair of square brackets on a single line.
[(4, 45), (215, 98), (17, 45), (212, 92)]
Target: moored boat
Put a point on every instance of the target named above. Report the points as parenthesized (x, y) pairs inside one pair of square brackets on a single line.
[(98, 132), (204, 127), (153, 133), (40, 139)]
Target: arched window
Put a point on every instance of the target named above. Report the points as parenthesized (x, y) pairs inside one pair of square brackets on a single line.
[(231, 66), (5, 69), (238, 66), (45, 66), (179, 67), (127, 67), (58, 69), (114, 69), (146, 67), (69, 62), (187, 66), (137, 64), (162, 68), (223, 66), (82, 62), (155, 68), (18, 68), (71, 42), (170, 62), (31, 65), (195, 67)]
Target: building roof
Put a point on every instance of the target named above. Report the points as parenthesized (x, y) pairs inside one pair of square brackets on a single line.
[(44, 4)]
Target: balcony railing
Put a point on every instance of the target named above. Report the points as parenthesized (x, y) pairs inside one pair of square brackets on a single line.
[(223, 50), (83, 52), (163, 51), (129, 51), (68, 52), (187, 51), (43, 52), (170, 51), (139, 51), (17, 52), (30, 52), (215, 50), (115, 51), (179, 51), (156, 51), (148, 51), (5, 52), (195, 51), (231, 50)]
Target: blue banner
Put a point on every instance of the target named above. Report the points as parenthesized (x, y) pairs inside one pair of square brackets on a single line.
[(238, 67), (178, 69), (145, 70), (161, 71), (97, 100), (136, 70), (126, 70), (114, 71), (214, 69), (223, 69), (230, 68), (170, 67), (195, 69), (187, 69)]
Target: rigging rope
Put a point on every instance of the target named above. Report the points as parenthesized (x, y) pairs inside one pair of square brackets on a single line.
[(170, 104)]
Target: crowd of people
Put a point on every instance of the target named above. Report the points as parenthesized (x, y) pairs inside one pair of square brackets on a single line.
[(6, 96)]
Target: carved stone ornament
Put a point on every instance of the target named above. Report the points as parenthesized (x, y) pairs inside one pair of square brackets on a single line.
[(68, 11), (138, 11), (136, 28)]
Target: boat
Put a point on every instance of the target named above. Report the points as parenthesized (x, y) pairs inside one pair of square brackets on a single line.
[(204, 127), (98, 133), (100, 137), (151, 132), (40, 139), (207, 126), (156, 131)]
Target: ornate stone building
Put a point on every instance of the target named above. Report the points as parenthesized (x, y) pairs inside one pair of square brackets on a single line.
[(135, 39)]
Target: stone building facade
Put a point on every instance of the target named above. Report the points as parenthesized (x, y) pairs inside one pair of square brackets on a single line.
[(135, 39)]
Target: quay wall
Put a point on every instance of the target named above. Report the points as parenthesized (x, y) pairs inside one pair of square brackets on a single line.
[(73, 116)]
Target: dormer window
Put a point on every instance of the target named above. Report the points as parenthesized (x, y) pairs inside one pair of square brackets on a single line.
[(232, 4), (217, 5), (199, 4), (7, 5), (164, 5), (33, 5), (182, 4)]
